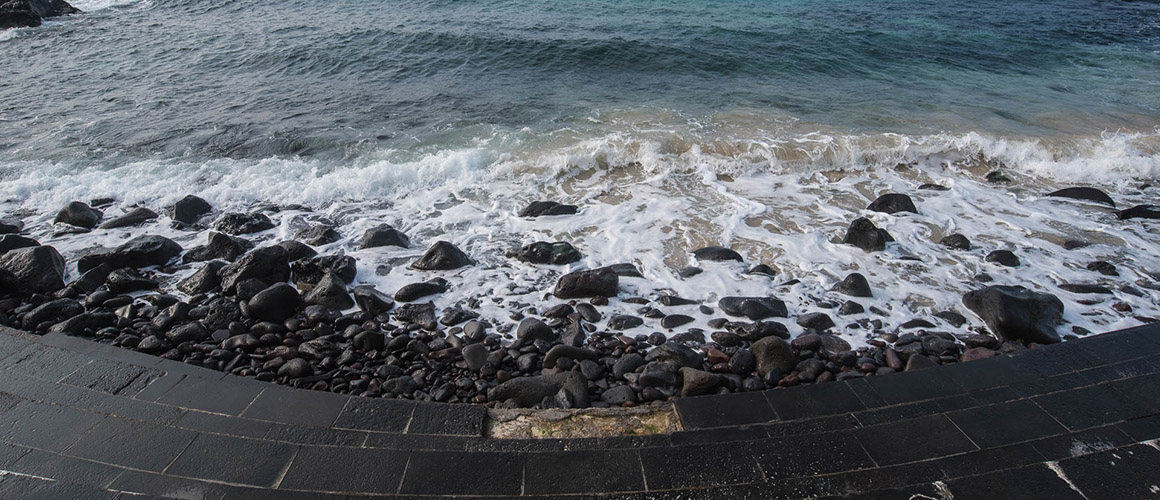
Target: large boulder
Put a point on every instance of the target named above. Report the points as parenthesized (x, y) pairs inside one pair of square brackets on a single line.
[(442, 256), (855, 285), (1085, 193), (1139, 212), (78, 214), (142, 251), (1016, 313), (603, 282), (543, 252), (204, 280), (383, 235), (268, 264), (865, 235), (890, 203), (239, 223), (9, 242), (190, 209), (134, 217), (539, 208), (29, 13), (754, 308)]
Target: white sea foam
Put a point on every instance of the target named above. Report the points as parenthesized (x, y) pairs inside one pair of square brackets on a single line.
[(651, 198)]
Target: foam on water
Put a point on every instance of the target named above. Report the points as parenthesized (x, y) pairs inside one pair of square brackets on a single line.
[(651, 197)]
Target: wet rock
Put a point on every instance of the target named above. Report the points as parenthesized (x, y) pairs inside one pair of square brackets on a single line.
[(135, 217), (626, 270), (78, 214), (602, 282), (189, 332), (297, 250), (318, 234), (415, 291), (1103, 267), (55, 311), (689, 272), (773, 353), (276, 303), (855, 285), (754, 308), (220, 312), (422, 314), (1003, 257), (919, 362), (891, 203), (758, 330), (127, 280), (1016, 313), (372, 301), (442, 256), (220, 246), (1083, 288), (933, 187), (916, 323), (1085, 193), (452, 316), (11, 226), (571, 352), (676, 353), (588, 312), (833, 344), (142, 251), (9, 242), (850, 307), (619, 395), (531, 330), (330, 292), (627, 364), (543, 252), (540, 208), (383, 235), (675, 320), (31, 270), (268, 264), (1139, 212), (475, 355), (742, 362), (717, 254), (530, 391), (763, 270), (865, 235), (624, 322), (310, 271), (951, 317), (1074, 244), (695, 382), (190, 209), (817, 321), (239, 223), (29, 13), (296, 368), (956, 241), (978, 353), (85, 324), (997, 177)]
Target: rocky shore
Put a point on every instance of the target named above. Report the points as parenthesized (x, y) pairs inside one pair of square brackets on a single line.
[(31, 13), (281, 312)]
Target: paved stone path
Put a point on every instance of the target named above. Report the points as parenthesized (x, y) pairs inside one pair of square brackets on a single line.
[(1079, 420)]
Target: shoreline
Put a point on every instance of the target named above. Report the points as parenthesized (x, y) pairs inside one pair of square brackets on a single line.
[(276, 313)]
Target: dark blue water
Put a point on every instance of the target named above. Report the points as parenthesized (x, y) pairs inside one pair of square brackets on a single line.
[(336, 79)]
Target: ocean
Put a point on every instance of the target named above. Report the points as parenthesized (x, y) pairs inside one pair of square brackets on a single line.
[(765, 126)]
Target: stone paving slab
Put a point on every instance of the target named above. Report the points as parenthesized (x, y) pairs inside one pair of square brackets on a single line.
[(74, 421)]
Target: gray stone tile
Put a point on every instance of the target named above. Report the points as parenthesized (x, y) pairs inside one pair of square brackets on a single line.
[(323, 468), (294, 406), (120, 442), (233, 460)]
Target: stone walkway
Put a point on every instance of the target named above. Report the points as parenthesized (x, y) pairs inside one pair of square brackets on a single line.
[(1078, 420)]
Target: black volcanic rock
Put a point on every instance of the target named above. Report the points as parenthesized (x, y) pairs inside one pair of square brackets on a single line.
[(539, 208), (890, 203), (717, 254), (442, 256), (754, 308), (135, 217), (865, 235), (1085, 193), (1139, 212), (855, 285), (603, 282), (142, 251), (383, 235), (1016, 313), (543, 252), (78, 214), (190, 209), (30, 13), (239, 223), (38, 269)]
